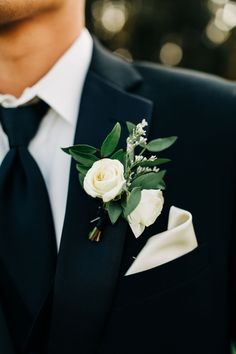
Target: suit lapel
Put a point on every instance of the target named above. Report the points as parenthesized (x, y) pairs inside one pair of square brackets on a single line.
[(87, 272)]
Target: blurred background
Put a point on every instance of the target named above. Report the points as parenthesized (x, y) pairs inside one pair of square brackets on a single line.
[(197, 34)]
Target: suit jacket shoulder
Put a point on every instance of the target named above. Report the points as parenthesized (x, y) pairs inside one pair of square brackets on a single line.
[(207, 94), (177, 74), (200, 108)]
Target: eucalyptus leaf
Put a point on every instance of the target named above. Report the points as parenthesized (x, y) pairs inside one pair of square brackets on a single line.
[(161, 144), (80, 148), (151, 180), (86, 160), (114, 211), (119, 155), (133, 201), (110, 143), (130, 127)]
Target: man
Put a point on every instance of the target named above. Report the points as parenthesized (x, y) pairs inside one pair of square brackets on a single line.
[(59, 292)]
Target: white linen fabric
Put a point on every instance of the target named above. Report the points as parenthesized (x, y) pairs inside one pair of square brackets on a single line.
[(178, 240), (61, 88)]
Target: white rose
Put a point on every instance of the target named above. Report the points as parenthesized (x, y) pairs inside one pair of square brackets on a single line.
[(147, 211), (105, 179)]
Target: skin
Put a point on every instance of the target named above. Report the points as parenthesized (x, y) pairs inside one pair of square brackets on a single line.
[(33, 36)]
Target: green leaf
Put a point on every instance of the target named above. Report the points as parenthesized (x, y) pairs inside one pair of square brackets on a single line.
[(162, 161), (119, 155), (233, 348), (67, 150), (157, 162), (114, 211), (110, 143), (133, 201), (161, 185), (80, 148), (86, 160), (82, 169), (151, 180), (130, 127), (81, 179), (161, 144)]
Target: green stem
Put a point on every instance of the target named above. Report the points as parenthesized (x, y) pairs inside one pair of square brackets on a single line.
[(141, 153)]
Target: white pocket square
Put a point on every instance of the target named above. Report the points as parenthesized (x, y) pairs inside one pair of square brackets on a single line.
[(178, 240)]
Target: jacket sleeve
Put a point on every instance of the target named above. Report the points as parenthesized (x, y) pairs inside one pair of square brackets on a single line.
[(6, 345)]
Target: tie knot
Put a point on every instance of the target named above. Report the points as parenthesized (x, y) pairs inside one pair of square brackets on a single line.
[(21, 123)]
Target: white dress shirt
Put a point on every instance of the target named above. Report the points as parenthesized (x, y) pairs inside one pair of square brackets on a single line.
[(61, 88)]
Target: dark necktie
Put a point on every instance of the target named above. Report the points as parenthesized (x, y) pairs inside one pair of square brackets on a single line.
[(27, 237)]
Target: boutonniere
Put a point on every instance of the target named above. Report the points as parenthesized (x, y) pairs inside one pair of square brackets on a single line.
[(128, 182)]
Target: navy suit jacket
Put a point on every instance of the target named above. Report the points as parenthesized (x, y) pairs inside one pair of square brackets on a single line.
[(187, 305)]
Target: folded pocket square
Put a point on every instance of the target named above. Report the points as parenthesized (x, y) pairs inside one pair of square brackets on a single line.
[(178, 240)]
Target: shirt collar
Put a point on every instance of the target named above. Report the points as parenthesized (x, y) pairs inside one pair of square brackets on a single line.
[(61, 87)]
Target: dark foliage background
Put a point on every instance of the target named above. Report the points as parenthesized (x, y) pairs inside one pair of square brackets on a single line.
[(197, 34)]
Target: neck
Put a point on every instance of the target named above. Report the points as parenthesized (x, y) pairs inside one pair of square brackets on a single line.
[(29, 48)]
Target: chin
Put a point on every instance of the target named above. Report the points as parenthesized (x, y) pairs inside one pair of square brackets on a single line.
[(13, 11)]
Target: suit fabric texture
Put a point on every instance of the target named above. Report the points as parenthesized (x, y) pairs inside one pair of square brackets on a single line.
[(184, 306)]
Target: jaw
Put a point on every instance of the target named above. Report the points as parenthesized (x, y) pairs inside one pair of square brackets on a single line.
[(16, 11)]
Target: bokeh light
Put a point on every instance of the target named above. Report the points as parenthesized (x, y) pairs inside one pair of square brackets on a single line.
[(171, 54), (113, 16), (219, 2), (124, 53), (220, 22), (215, 34), (229, 15), (194, 34)]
